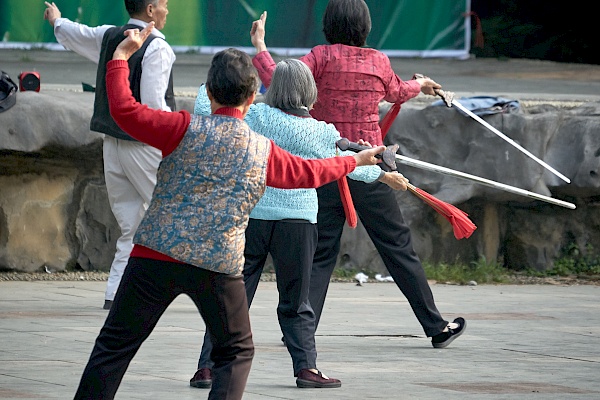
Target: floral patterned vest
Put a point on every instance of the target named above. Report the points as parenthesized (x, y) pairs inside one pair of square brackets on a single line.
[(205, 191)]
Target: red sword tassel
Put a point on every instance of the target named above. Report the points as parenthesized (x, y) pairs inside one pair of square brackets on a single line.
[(462, 226)]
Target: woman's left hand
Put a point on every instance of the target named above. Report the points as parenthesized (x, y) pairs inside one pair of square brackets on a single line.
[(395, 180), (257, 33)]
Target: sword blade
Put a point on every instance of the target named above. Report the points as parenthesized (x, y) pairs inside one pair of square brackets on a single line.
[(488, 182), (509, 140)]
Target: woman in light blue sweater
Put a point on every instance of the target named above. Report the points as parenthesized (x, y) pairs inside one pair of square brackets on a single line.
[(283, 223)]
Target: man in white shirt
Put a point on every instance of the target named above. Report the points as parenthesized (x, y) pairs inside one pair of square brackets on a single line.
[(129, 166)]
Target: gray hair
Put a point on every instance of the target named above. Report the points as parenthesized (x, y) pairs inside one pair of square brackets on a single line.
[(292, 86)]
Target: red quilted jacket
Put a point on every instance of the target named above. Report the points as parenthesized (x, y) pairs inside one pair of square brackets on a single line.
[(351, 82)]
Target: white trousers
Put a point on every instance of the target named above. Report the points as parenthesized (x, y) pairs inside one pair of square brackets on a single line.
[(130, 176)]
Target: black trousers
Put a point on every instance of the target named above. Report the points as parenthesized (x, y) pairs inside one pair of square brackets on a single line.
[(292, 247), (378, 210), (146, 290)]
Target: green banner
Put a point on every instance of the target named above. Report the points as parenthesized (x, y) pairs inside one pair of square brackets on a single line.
[(400, 28)]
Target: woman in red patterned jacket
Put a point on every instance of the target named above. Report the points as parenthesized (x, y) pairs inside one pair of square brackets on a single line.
[(352, 80)]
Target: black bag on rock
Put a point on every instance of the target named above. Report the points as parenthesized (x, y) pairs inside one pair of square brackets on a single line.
[(8, 92)]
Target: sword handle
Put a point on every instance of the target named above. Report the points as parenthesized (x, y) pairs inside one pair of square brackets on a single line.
[(344, 144), (448, 97)]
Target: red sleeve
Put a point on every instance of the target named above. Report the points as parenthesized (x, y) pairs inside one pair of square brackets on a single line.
[(287, 171), (400, 91), (161, 129), (264, 64), (397, 90), (312, 60)]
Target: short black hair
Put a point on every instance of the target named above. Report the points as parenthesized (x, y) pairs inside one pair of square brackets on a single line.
[(347, 22), (232, 78), (134, 7)]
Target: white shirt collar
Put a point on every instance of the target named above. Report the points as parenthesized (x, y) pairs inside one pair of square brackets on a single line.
[(155, 32)]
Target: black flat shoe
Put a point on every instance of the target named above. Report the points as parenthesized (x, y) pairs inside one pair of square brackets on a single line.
[(445, 338)]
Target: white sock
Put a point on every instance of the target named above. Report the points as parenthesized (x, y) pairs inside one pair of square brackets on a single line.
[(451, 325)]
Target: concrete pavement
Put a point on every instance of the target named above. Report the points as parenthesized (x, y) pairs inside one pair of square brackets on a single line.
[(522, 342)]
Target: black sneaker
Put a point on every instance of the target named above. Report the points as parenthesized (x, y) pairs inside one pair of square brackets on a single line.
[(445, 338), (107, 304)]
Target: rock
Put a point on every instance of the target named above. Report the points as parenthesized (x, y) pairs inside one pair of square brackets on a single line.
[(519, 232), (49, 157), (35, 217), (96, 229), (50, 122), (54, 209)]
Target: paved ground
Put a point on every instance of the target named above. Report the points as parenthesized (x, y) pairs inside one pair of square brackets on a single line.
[(522, 342)]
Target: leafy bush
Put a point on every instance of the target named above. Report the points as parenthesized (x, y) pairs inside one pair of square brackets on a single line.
[(479, 271), (573, 261)]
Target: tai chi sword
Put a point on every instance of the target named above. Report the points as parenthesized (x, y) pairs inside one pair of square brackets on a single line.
[(390, 158), (450, 101)]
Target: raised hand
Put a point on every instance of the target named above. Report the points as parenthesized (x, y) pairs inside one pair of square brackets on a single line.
[(133, 42), (51, 13), (257, 33)]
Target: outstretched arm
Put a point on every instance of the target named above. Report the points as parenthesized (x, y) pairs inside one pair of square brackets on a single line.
[(287, 171), (82, 39)]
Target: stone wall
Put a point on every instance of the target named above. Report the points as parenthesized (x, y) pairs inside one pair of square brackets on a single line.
[(54, 209), (518, 231)]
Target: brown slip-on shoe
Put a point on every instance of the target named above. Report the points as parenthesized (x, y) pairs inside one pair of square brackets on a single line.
[(202, 379), (308, 379)]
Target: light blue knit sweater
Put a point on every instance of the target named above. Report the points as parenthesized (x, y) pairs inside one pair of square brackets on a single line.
[(302, 136)]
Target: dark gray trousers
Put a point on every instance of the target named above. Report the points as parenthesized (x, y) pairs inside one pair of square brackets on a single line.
[(292, 246), (378, 210), (146, 290)]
